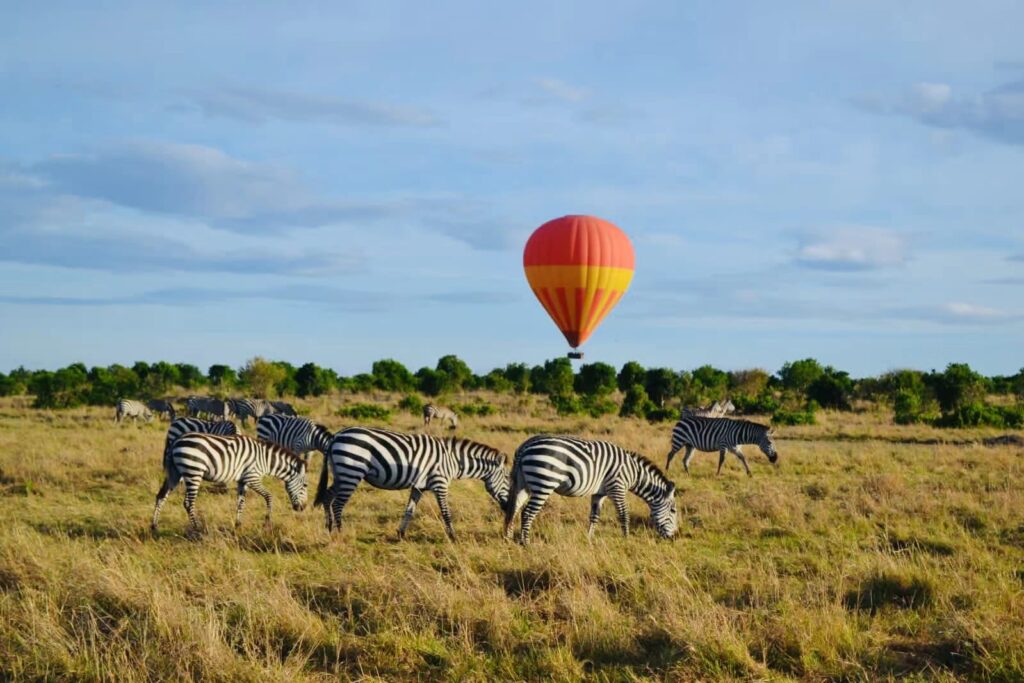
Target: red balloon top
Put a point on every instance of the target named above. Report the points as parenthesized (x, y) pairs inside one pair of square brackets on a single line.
[(579, 240)]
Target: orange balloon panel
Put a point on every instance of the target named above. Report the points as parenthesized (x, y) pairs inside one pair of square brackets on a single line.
[(578, 267)]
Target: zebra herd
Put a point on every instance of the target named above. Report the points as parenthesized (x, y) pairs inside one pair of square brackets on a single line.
[(196, 450), (202, 406)]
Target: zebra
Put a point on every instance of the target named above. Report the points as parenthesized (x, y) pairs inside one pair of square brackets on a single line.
[(282, 408), (392, 460), (720, 434), (297, 434), (195, 457), (211, 407), (571, 466), (185, 425), (432, 412), (716, 409), (251, 407), (133, 409), (162, 407)]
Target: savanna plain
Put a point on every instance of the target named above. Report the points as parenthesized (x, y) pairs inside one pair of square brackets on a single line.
[(873, 552)]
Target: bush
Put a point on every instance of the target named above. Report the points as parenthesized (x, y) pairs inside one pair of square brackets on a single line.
[(656, 414), (981, 415), (762, 404), (636, 403), (566, 404), (411, 403), (366, 411), (806, 416), (908, 407), (574, 404), (480, 409)]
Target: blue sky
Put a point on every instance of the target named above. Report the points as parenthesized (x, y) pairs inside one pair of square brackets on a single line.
[(342, 182)]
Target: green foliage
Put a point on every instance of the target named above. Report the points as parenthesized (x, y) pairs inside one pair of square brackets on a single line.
[(411, 403), (433, 382), (636, 403), (762, 404), (800, 374), (747, 383), (519, 376), (655, 414), (189, 376), (554, 378), (790, 416), (222, 377), (107, 385), (287, 385), (661, 384), (361, 383), (595, 379), (574, 404), (390, 375), (832, 389), (632, 373), (15, 383), (312, 380), (66, 388), (957, 387), (908, 407), (458, 373), (260, 376), (710, 382), (478, 408), (366, 411), (495, 380), (982, 415)]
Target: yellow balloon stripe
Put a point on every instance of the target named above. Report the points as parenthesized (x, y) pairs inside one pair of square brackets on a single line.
[(578, 297)]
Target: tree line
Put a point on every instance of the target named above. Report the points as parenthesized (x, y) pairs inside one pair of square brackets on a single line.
[(955, 397)]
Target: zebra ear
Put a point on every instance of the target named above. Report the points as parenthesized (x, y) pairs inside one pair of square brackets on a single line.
[(672, 491)]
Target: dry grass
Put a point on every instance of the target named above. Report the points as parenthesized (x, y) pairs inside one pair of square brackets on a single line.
[(855, 560)]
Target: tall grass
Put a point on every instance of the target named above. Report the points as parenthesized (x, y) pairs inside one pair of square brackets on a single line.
[(855, 560)]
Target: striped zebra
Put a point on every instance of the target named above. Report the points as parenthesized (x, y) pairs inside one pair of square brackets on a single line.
[(162, 407), (432, 412), (251, 407), (204, 406), (391, 460), (716, 409), (133, 409), (580, 467), (195, 457), (184, 425), (720, 434), (297, 434), (282, 408)]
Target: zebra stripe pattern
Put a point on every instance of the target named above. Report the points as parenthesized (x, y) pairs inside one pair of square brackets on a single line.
[(251, 407), (199, 406), (432, 412), (198, 457), (716, 409), (391, 460), (162, 407), (579, 467), (720, 434), (282, 408), (133, 409), (297, 434)]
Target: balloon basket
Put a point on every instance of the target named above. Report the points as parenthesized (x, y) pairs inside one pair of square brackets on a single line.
[(575, 355)]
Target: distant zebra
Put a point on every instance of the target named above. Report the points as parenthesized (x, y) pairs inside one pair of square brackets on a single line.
[(432, 412), (195, 457), (720, 434), (391, 460), (251, 407), (133, 409), (716, 409), (579, 467), (297, 434), (204, 406), (282, 408), (162, 407)]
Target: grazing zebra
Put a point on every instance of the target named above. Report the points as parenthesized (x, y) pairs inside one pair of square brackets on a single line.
[(195, 457), (162, 407), (210, 407), (580, 467), (390, 460), (133, 409), (251, 407), (184, 425), (432, 412), (716, 409), (720, 434), (282, 408), (297, 434)]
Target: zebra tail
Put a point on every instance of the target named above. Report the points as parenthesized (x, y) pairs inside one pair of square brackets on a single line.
[(513, 493), (321, 488)]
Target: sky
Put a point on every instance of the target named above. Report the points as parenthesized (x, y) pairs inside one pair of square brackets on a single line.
[(347, 181)]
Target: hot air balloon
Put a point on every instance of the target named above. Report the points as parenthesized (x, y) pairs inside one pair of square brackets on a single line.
[(578, 267)]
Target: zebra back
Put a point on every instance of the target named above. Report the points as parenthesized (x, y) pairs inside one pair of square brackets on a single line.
[(298, 434)]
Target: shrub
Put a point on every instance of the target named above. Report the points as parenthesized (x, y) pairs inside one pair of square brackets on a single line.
[(908, 407), (764, 403), (979, 414), (786, 416), (411, 403), (656, 414), (366, 411), (636, 403), (480, 409)]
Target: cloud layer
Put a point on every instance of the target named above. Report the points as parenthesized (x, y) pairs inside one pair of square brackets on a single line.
[(853, 248)]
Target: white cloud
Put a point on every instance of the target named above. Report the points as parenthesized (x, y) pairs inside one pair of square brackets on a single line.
[(853, 248), (560, 90), (973, 312)]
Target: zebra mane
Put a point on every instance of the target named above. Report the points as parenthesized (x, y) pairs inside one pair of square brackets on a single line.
[(287, 452), (483, 452), (651, 468)]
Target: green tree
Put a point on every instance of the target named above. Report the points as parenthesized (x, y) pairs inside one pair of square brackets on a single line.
[(519, 375), (831, 390), (161, 377), (1018, 384), (222, 377), (260, 376), (800, 374), (312, 380), (459, 374), (189, 376), (433, 382), (748, 383), (66, 388), (713, 382), (660, 385), (958, 387), (554, 378), (596, 379), (390, 375), (286, 386), (636, 402), (631, 373), (107, 385), (495, 380)]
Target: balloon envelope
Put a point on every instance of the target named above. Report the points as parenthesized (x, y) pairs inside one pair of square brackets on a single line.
[(578, 267)]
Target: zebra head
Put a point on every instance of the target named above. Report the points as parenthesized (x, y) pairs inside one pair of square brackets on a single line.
[(295, 482), (767, 446), (478, 461), (664, 513)]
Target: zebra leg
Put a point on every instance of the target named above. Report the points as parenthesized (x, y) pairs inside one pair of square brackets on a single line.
[(514, 507), (686, 458), (256, 485), (339, 498), (618, 496), (671, 454), (534, 505), (170, 483), (739, 454), (241, 503), (595, 511), (410, 508), (721, 461), (441, 493), (191, 493)]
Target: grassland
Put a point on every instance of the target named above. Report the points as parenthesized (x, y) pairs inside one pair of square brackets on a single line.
[(862, 557)]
